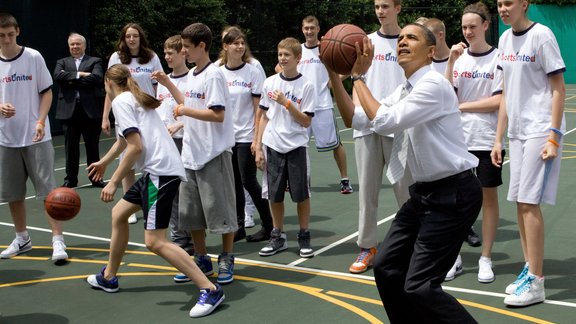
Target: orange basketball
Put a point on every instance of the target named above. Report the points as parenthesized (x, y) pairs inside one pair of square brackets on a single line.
[(62, 203), (337, 49)]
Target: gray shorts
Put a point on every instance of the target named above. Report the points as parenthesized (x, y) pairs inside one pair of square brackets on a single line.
[(208, 199), (17, 164)]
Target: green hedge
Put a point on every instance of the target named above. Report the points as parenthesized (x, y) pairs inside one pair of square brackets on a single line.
[(555, 2)]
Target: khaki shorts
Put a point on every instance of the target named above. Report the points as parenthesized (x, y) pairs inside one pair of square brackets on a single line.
[(17, 164)]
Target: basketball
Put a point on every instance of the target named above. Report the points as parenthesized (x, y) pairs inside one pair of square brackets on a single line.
[(62, 203), (337, 49)]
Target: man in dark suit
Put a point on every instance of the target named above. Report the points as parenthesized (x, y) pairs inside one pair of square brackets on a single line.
[(80, 106)]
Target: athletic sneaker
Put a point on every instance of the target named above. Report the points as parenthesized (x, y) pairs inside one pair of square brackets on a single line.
[(203, 262), (132, 219), (15, 248), (207, 301), (455, 270), (249, 221), (225, 268), (363, 261), (345, 187), (304, 244), (59, 251), (511, 288), (530, 291), (262, 235), (98, 281), (485, 273), (276, 243)]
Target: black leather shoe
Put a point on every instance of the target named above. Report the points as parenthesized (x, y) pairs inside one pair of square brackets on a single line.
[(98, 184), (240, 234), (262, 235), (69, 184), (473, 239)]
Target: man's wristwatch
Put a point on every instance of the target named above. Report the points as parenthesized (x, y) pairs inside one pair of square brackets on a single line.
[(361, 77)]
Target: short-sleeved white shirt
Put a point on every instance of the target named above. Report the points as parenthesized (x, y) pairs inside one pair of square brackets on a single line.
[(142, 73), (159, 156), (283, 133), (439, 65), (204, 140), (431, 117), (22, 80), (382, 78), (476, 76), (527, 59), (314, 70), (244, 83), (166, 109)]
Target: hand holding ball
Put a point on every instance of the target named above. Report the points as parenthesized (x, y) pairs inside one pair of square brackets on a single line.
[(338, 49)]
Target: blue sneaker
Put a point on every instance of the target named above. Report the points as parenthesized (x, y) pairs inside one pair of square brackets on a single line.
[(98, 281), (207, 301), (511, 288), (203, 262), (225, 268)]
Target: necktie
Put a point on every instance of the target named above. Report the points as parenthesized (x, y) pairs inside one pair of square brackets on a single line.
[(397, 162)]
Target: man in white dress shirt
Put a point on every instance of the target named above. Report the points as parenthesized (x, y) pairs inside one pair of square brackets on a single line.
[(428, 231)]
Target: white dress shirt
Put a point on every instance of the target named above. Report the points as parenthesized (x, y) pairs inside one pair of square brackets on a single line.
[(430, 115)]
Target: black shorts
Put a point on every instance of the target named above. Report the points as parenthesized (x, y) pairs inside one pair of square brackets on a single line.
[(287, 168), (489, 175), (155, 194)]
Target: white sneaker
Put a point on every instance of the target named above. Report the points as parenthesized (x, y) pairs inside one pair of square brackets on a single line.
[(15, 248), (455, 270), (485, 273), (530, 291), (511, 288), (132, 219), (249, 221), (59, 251)]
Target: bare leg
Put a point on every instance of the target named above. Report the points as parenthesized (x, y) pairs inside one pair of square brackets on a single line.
[(156, 242), (522, 231), (277, 209), (490, 216), (228, 242), (120, 235), (199, 238), (534, 235), (303, 209), (18, 212), (340, 158)]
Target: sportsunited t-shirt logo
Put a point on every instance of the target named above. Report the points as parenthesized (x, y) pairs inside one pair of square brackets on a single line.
[(163, 96), (473, 75), (240, 83), (15, 78), (195, 95), (386, 57), (310, 61), (141, 69), (288, 95), (517, 57)]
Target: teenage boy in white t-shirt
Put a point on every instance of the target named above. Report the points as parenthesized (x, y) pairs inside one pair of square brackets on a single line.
[(207, 200), (324, 125), (25, 99), (177, 62), (288, 100)]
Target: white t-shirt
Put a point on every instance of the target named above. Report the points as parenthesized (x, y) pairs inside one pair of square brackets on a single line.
[(22, 80), (314, 70), (254, 62), (244, 83), (166, 109), (475, 77), (382, 78), (159, 156), (431, 117), (283, 133), (527, 59), (439, 65), (141, 72), (203, 140)]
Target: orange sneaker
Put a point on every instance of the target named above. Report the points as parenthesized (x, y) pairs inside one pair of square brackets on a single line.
[(363, 261)]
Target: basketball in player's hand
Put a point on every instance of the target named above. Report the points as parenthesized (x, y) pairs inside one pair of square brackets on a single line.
[(337, 47)]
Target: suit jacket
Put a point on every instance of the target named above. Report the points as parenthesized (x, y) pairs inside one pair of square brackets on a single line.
[(89, 87)]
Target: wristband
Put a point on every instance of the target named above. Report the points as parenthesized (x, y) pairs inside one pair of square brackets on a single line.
[(180, 106), (553, 142), (287, 104), (557, 131), (41, 122)]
